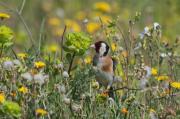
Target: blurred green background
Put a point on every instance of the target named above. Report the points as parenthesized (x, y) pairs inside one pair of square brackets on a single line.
[(57, 13)]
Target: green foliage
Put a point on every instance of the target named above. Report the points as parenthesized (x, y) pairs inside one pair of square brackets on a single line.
[(77, 42), (11, 108), (6, 35)]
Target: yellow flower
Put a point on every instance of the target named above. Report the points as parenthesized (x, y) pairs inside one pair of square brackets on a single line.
[(53, 48), (88, 60), (72, 25), (113, 47), (92, 27), (163, 77), (175, 85), (22, 55), (81, 15), (2, 98), (102, 6), (124, 110), (41, 112), (57, 32), (54, 21), (4, 16), (39, 64), (105, 19), (154, 71), (152, 110), (23, 90)]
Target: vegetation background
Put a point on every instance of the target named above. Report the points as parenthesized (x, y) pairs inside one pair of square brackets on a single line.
[(45, 60)]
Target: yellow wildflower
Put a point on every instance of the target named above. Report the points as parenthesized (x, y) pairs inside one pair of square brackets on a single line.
[(163, 77), (53, 48), (102, 6), (23, 90), (105, 19), (154, 71), (152, 110), (54, 21), (113, 47), (57, 32), (4, 16), (22, 55), (72, 25), (92, 27), (81, 15), (2, 98), (124, 110), (175, 85), (39, 64), (88, 60), (41, 112)]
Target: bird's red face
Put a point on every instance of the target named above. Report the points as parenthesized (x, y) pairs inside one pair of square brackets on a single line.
[(101, 48)]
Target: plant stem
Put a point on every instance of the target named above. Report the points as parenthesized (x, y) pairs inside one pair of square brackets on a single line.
[(72, 59), (62, 39)]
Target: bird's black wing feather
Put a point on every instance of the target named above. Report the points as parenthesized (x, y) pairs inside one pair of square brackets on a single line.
[(115, 62), (95, 60)]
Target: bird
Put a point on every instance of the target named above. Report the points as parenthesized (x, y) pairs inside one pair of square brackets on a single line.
[(104, 66)]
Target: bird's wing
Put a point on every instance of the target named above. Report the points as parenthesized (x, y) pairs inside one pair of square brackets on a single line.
[(95, 60), (115, 62)]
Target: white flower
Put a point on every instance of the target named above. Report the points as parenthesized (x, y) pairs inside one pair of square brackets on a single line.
[(65, 74), (40, 78), (27, 76), (8, 65), (147, 31), (156, 26)]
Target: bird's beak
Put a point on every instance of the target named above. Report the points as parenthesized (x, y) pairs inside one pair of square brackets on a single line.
[(92, 46)]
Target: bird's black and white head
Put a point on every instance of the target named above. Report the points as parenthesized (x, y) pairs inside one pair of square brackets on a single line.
[(101, 48)]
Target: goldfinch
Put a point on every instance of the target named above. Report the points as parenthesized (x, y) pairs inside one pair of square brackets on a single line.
[(104, 66)]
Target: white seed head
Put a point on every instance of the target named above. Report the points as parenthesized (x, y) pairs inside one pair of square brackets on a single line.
[(66, 100), (40, 78), (17, 62), (61, 89), (27, 76), (65, 74), (8, 65), (76, 108)]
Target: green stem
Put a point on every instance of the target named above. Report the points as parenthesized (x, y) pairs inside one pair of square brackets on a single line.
[(1, 52), (72, 59)]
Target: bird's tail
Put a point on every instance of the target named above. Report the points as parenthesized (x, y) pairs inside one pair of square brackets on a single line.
[(111, 92)]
